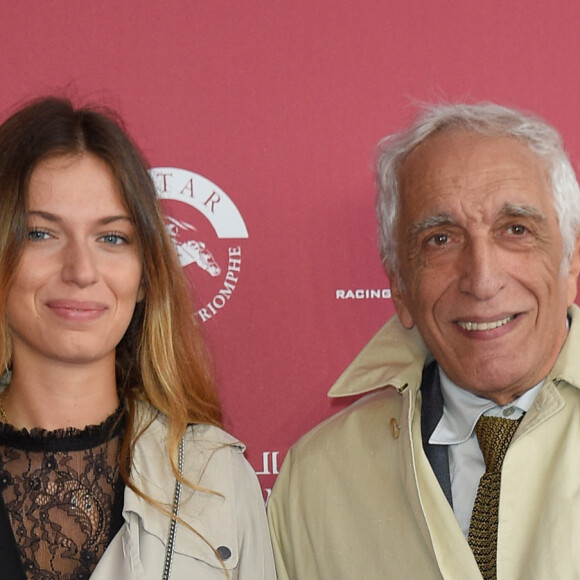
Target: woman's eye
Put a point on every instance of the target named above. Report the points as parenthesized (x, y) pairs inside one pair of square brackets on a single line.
[(114, 239), (38, 235)]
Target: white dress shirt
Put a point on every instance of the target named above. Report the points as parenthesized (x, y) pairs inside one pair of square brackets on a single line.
[(461, 411)]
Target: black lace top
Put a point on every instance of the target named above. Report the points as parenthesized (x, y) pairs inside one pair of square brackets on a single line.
[(63, 496)]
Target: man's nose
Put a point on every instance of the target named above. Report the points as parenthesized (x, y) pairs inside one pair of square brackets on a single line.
[(79, 265), (482, 274)]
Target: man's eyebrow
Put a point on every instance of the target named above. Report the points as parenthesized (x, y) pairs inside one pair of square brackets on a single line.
[(445, 219), (433, 221), (56, 219), (527, 211)]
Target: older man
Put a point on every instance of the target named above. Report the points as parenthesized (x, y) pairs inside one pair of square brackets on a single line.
[(463, 460)]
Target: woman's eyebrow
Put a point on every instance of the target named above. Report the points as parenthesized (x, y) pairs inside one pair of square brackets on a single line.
[(51, 217)]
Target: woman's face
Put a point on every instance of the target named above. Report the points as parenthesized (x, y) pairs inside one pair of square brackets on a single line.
[(79, 277)]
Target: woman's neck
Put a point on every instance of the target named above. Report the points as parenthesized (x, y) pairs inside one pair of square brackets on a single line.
[(59, 396)]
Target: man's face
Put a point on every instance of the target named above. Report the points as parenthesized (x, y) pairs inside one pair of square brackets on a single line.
[(480, 252)]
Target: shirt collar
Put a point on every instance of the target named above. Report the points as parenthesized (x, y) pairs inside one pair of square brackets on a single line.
[(462, 409)]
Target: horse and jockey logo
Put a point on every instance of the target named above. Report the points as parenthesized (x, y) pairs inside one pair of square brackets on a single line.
[(207, 231), (190, 250)]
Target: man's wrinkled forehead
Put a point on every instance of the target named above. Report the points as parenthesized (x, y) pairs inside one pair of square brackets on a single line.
[(450, 155)]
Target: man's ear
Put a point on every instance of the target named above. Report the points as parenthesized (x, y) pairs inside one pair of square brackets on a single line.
[(574, 271), (399, 295)]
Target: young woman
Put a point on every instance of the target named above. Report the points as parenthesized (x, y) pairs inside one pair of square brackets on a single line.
[(112, 460)]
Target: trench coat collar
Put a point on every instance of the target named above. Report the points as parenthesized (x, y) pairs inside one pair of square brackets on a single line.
[(395, 357), (567, 365)]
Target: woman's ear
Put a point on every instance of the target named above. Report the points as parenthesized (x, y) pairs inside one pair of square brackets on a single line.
[(141, 293)]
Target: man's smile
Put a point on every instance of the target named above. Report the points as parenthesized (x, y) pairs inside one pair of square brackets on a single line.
[(474, 326)]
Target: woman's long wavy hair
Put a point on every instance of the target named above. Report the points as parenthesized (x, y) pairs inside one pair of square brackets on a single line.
[(162, 359)]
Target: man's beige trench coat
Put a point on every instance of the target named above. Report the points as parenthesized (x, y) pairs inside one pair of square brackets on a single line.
[(356, 497)]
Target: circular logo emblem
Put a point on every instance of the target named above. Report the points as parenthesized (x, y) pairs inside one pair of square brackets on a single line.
[(208, 232)]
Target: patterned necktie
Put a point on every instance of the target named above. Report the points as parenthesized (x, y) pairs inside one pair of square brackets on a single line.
[(494, 435)]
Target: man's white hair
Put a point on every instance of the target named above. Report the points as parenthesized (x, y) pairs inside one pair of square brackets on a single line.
[(491, 120)]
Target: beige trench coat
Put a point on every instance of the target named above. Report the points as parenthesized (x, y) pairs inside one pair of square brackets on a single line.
[(234, 520), (357, 498)]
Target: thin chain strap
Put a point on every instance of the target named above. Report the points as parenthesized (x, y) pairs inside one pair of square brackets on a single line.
[(173, 524)]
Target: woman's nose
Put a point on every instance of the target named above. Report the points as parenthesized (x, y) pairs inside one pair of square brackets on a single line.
[(79, 264)]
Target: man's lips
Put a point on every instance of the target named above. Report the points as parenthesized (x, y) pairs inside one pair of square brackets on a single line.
[(488, 325)]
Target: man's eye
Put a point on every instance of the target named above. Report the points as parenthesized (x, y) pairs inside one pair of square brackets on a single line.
[(438, 239), (517, 230)]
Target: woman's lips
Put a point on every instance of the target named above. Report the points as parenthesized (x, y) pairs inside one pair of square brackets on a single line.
[(77, 310)]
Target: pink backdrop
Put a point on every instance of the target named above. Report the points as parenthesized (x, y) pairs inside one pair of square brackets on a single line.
[(279, 105)]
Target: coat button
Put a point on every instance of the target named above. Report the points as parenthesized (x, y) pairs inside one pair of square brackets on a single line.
[(395, 429), (224, 552)]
